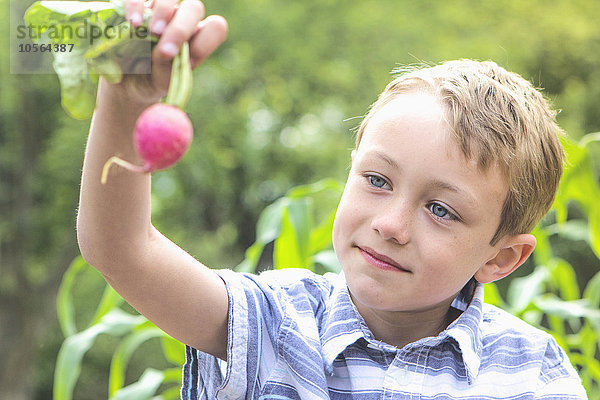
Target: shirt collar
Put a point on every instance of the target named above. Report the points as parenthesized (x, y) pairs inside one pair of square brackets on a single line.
[(344, 326), (466, 329)]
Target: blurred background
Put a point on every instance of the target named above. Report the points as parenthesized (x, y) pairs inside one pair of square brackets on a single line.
[(275, 107)]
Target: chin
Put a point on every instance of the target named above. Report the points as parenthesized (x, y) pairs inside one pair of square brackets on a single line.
[(368, 292)]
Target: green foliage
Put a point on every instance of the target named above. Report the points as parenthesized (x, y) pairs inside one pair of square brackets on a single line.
[(550, 297), (107, 37), (132, 329), (299, 242)]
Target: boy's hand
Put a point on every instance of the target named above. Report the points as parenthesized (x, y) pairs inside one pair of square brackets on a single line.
[(175, 22)]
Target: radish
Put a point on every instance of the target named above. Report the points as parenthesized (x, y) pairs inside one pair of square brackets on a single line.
[(163, 131)]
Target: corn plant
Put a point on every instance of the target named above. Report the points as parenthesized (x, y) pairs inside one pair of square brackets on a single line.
[(550, 297), (111, 319)]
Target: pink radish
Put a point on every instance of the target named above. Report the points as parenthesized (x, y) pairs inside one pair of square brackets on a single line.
[(161, 136), (163, 131)]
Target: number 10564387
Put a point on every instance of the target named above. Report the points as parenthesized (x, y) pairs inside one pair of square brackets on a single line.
[(46, 48)]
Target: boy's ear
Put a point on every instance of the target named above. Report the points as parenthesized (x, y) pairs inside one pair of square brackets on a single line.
[(512, 252), (352, 155)]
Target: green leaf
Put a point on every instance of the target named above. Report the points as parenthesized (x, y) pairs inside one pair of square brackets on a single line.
[(72, 8), (589, 138), (121, 356), (574, 229), (543, 251), (492, 295), (173, 350), (592, 291), (64, 300), (291, 248), (143, 389), (315, 188), (78, 92), (592, 366), (173, 375), (578, 182), (564, 278), (173, 393), (594, 218), (551, 304), (70, 355), (328, 260), (320, 237), (97, 37), (588, 340), (268, 228), (522, 291), (110, 299), (286, 253)]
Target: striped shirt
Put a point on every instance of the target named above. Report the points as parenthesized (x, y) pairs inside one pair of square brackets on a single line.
[(297, 335)]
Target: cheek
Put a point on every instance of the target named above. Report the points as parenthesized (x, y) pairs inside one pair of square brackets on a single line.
[(339, 223), (347, 219), (454, 257)]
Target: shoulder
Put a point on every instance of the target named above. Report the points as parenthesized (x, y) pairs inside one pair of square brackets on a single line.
[(504, 332), (496, 321), (284, 289), (300, 287), (297, 279), (524, 349)]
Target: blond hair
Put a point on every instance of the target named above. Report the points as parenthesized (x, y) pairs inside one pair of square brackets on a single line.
[(501, 119)]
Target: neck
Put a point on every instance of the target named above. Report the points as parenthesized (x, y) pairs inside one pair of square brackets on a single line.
[(400, 328)]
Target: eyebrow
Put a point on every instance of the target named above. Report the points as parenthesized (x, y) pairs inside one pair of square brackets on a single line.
[(392, 163), (442, 185), (432, 185)]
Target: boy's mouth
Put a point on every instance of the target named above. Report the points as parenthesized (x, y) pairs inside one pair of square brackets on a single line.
[(379, 260)]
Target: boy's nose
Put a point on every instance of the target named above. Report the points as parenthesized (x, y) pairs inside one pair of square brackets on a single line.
[(393, 223)]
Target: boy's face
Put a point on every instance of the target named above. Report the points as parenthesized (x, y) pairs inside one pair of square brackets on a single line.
[(416, 217)]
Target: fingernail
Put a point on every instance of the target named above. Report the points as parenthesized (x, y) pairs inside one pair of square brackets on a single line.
[(169, 49), (158, 27), (135, 19)]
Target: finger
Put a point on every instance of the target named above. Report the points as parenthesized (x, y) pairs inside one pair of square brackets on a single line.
[(162, 12), (134, 11), (210, 34), (181, 27)]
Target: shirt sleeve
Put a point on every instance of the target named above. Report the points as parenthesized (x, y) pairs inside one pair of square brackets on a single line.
[(253, 307), (558, 379)]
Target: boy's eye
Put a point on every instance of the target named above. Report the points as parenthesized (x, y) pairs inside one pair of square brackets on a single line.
[(377, 181), (441, 212)]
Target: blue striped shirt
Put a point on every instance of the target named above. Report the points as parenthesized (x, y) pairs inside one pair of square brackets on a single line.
[(296, 335)]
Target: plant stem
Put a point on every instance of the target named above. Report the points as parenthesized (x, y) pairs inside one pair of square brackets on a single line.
[(180, 87)]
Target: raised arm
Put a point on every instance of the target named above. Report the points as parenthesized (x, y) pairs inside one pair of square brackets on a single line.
[(116, 236)]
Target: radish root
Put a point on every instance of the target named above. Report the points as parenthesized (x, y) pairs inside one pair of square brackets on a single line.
[(122, 163)]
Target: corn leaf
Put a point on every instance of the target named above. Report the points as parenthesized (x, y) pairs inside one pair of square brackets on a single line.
[(64, 299), (143, 389), (121, 356), (110, 299), (291, 248), (173, 350), (70, 355)]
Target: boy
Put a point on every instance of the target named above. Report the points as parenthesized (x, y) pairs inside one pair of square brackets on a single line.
[(453, 166)]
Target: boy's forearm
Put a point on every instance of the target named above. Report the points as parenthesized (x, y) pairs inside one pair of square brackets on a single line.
[(114, 218)]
